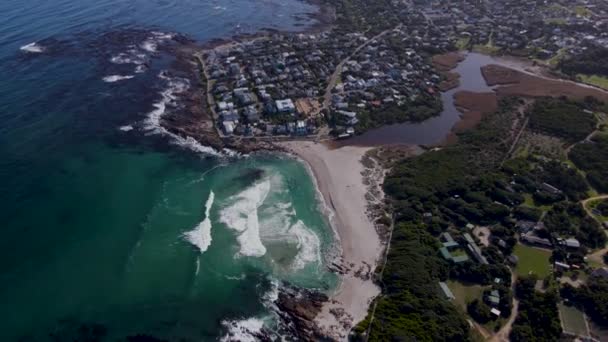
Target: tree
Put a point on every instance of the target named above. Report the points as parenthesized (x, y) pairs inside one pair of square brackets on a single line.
[(479, 311)]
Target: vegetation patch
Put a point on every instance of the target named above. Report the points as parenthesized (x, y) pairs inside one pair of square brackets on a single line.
[(592, 158), (562, 118), (594, 80), (538, 318)]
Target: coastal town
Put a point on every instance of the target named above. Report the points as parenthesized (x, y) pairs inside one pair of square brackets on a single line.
[(362, 75), (501, 227)]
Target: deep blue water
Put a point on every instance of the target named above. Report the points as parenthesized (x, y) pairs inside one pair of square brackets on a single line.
[(91, 215)]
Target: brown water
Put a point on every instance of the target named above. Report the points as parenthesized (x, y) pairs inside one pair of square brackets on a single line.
[(433, 130)]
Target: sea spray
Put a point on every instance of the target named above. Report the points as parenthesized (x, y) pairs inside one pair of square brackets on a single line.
[(200, 236)]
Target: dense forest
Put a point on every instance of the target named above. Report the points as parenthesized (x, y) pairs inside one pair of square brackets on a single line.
[(538, 318), (562, 118), (570, 219), (593, 62), (412, 306), (592, 157), (417, 110)]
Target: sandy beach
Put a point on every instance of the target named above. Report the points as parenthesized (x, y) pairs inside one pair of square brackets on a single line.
[(338, 173)]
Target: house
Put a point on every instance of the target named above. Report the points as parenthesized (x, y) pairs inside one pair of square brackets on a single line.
[(495, 312), (570, 243), (562, 266), (550, 188), (535, 240), (525, 226), (494, 298), (228, 127), (474, 249), (300, 127), (285, 106), (446, 291)]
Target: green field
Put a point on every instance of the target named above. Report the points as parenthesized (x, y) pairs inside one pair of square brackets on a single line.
[(594, 80), (532, 260), (573, 320)]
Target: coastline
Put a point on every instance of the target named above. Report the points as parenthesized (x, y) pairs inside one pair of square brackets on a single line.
[(338, 174)]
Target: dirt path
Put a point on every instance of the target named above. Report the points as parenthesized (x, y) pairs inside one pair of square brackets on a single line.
[(591, 199), (503, 334)]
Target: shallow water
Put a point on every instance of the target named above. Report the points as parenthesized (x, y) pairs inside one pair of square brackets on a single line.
[(436, 129), (109, 225)]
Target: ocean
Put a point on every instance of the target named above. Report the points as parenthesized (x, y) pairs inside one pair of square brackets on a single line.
[(113, 227)]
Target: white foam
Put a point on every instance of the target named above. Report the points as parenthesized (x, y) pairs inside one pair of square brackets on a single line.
[(132, 56), (200, 236), (116, 78), (151, 44), (309, 246), (243, 330), (126, 128), (32, 48), (242, 217), (153, 122)]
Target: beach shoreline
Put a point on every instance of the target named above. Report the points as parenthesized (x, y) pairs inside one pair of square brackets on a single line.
[(338, 175)]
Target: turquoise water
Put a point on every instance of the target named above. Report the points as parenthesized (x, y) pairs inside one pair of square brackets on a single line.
[(113, 228)]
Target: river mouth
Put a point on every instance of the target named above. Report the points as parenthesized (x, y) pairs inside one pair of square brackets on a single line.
[(435, 130)]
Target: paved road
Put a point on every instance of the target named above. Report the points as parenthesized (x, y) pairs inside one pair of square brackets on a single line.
[(333, 79)]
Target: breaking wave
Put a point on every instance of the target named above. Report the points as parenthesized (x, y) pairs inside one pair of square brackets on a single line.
[(116, 78), (242, 217), (309, 246), (151, 44), (152, 123), (243, 330), (126, 128), (200, 236), (32, 48), (250, 329), (130, 57)]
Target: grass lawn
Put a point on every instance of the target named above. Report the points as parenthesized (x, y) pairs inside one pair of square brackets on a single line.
[(573, 320), (465, 293), (532, 260), (594, 80), (529, 202)]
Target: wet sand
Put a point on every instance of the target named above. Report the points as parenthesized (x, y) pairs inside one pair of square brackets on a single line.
[(339, 179)]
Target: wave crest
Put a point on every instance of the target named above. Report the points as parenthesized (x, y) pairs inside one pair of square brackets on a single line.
[(116, 78), (32, 48), (200, 236), (242, 217)]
